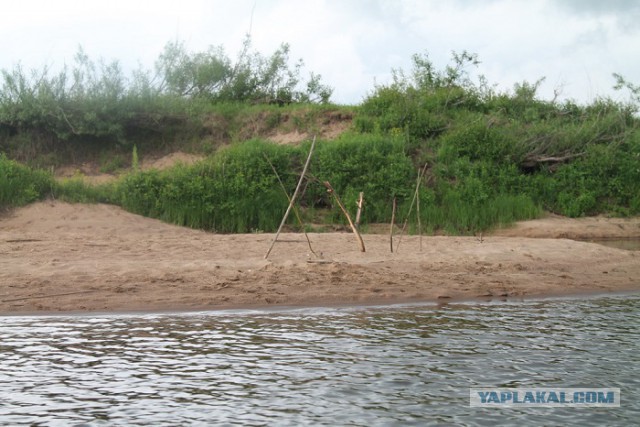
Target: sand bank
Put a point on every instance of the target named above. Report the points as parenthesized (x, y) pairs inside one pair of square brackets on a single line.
[(61, 257)]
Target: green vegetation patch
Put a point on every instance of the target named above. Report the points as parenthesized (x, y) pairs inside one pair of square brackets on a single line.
[(478, 158), (20, 185)]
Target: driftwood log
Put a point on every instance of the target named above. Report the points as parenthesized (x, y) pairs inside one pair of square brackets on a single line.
[(534, 162)]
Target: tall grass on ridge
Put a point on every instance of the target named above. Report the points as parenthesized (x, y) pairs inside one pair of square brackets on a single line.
[(233, 191)]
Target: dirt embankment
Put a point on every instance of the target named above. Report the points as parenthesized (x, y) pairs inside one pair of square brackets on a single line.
[(61, 257), (329, 126), (90, 172)]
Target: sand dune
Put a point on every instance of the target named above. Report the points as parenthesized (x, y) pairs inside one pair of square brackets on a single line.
[(61, 257)]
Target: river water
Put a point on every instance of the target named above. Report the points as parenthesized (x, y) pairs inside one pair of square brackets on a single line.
[(357, 366)]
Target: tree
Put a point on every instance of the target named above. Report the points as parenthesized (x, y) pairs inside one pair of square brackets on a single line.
[(252, 78)]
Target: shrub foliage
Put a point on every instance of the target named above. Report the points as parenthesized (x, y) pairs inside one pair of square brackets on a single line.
[(96, 103)]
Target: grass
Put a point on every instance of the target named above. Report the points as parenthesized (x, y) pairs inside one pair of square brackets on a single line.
[(76, 190), (459, 218)]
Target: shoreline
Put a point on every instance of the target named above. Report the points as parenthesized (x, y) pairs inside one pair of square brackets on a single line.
[(58, 258), (265, 308)]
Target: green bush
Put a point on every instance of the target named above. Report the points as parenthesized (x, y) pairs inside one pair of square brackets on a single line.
[(374, 164), (482, 145), (20, 185), (605, 179), (234, 191), (96, 103)]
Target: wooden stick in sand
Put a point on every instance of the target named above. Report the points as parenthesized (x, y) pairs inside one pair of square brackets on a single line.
[(418, 212), (359, 204), (293, 198), (393, 221), (415, 196), (295, 211), (344, 211)]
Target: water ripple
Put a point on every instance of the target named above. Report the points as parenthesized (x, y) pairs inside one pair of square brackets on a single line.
[(409, 365)]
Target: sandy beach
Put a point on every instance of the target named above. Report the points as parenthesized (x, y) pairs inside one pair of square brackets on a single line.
[(59, 257)]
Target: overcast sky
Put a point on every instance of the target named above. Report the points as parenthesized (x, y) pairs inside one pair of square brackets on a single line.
[(575, 44)]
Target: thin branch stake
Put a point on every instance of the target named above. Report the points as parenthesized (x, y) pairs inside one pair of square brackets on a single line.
[(415, 195), (359, 204), (393, 221), (418, 212), (344, 211), (293, 198), (295, 210)]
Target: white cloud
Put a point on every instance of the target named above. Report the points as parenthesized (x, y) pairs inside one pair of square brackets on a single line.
[(351, 43)]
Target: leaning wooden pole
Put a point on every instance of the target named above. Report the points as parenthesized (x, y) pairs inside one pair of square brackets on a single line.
[(344, 211), (295, 211), (293, 198), (413, 201), (393, 223)]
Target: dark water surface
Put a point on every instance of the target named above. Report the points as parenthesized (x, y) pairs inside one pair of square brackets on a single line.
[(397, 365)]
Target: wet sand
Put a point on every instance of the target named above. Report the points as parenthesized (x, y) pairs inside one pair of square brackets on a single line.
[(58, 257)]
